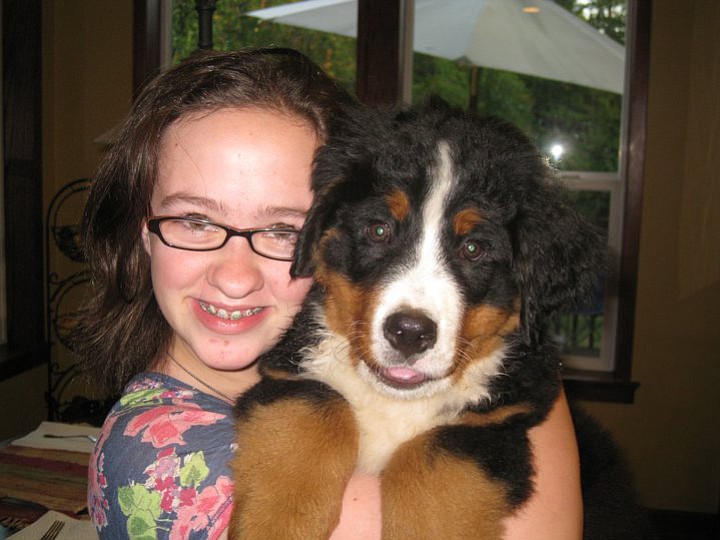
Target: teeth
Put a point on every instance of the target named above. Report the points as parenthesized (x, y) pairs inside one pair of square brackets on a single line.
[(232, 316)]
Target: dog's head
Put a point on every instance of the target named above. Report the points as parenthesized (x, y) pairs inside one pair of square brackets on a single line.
[(437, 239)]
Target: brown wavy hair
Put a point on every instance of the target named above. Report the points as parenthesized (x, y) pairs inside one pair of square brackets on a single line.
[(121, 329)]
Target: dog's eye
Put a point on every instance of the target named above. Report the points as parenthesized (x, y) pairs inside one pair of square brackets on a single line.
[(378, 232), (471, 250)]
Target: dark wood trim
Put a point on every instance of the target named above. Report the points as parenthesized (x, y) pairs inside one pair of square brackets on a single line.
[(639, 15), (675, 525), (23, 193), (146, 42), (17, 360), (379, 65), (598, 386)]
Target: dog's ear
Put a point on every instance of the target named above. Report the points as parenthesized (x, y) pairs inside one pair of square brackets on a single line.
[(341, 173), (324, 205), (557, 256)]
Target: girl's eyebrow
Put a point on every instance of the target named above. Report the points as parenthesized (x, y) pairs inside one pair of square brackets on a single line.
[(217, 206), (282, 211), (183, 198)]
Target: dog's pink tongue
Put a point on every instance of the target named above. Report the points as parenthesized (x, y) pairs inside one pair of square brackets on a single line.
[(404, 375)]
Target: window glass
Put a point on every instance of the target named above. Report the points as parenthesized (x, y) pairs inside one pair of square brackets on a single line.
[(234, 29), (532, 63)]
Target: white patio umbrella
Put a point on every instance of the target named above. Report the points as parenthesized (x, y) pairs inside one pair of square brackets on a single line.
[(532, 37)]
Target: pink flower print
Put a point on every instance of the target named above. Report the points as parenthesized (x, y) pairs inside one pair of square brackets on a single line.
[(167, 501), (166, 465), (212, 497), (210, 504), (97, 482), (162, 478), (165, 424), (187, 496)]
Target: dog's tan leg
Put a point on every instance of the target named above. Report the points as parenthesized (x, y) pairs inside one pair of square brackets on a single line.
[(294, 459), (428, 493)]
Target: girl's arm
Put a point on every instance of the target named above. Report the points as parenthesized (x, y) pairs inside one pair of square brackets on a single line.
[(555, 510)]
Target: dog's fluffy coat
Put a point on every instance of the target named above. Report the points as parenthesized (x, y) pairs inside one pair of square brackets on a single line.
[(439, 249)]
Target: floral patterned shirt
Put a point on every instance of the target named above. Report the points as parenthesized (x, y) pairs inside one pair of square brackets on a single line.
[(160, 466)]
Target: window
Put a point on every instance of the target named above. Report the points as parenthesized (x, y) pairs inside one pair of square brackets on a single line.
[(594, 136)]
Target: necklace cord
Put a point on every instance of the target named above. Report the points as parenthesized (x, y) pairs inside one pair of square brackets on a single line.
[(198, 379)]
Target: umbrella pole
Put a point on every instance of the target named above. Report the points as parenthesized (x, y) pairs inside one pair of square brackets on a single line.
[(205, 9)]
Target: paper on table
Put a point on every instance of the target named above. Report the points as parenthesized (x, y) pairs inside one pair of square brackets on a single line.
[(74, 529), (37, 439)]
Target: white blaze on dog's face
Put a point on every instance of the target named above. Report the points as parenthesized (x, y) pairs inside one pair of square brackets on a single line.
[(422, 297)]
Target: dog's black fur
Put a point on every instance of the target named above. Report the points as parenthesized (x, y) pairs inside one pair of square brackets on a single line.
[(510, 253)]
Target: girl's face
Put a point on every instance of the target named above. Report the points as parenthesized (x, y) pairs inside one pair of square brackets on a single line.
[(246, 168)]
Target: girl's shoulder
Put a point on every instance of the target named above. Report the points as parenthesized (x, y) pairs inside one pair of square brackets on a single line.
[(166, 445), (161, 411)]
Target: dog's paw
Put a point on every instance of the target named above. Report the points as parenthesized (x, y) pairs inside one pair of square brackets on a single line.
[(295, 456)]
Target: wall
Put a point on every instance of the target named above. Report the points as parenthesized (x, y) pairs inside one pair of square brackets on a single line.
[(671, 433), (87, 78)]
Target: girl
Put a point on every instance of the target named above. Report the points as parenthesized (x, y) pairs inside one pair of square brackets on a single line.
[(188, 231)]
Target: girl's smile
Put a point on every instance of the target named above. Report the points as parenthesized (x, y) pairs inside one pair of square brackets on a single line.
[(229, 321)]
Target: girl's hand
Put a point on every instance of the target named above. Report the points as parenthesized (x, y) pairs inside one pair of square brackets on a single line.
[(361, 515)]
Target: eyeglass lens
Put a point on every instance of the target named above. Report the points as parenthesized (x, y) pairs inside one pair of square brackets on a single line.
[(198, 235)]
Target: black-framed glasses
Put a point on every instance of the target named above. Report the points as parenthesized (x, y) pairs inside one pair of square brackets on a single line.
[(193, 234)]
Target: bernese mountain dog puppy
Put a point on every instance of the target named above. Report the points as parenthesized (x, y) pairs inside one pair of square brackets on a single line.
[(439, 247)]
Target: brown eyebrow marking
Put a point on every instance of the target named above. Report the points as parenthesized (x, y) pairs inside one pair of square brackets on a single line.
[(465, 220), (399, 204)]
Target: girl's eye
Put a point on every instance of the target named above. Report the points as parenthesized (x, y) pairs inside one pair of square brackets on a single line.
[(471, 250), (199, 227), (281, 237), (378, 232)]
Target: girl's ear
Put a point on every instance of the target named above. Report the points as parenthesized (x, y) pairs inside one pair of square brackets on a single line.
[(145, 236)]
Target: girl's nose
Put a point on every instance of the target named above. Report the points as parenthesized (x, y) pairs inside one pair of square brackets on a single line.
[(235, 269)]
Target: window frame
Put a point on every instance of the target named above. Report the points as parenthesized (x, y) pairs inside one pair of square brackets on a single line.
[(383, 66), (612, 184)]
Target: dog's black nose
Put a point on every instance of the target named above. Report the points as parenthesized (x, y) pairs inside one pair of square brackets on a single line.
[(410, 332)]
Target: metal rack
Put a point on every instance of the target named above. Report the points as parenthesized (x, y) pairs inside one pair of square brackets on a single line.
[(62, 241)]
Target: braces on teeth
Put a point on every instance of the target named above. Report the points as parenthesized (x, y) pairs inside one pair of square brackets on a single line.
[(223, 314)]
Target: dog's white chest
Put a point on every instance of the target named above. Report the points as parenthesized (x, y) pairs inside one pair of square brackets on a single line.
[(384, 422)]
